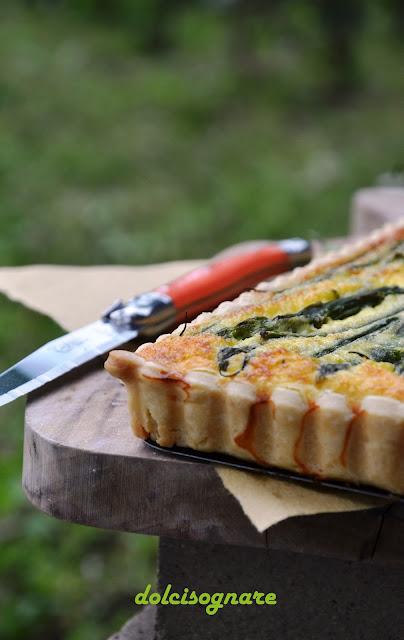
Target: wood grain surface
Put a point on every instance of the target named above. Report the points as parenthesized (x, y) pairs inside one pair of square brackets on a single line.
[(83, 464)]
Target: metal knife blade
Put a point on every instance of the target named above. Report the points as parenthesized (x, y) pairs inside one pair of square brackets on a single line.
[(60, 356), (148, 314)]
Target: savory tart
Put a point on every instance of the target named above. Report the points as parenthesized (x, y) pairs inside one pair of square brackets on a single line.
[(305, 372)]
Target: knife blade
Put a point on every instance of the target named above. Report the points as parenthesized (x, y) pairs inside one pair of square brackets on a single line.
[(232, 271)]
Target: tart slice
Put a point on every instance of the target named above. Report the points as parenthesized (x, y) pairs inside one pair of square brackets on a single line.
[(305, 373)]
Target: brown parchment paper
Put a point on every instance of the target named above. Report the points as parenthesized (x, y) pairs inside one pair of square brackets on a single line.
[(74, 296)]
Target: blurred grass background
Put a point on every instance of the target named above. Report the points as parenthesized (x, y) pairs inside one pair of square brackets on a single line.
[(126, 143)]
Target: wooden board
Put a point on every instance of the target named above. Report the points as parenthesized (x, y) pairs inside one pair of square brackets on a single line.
[(82, 464)]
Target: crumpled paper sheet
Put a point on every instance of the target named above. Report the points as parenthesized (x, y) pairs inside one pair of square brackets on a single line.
[(74, 296)]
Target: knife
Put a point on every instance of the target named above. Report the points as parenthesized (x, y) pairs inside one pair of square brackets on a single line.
[(232, 271)]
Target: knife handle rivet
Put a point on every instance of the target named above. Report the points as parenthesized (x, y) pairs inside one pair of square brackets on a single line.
[(115, 306)]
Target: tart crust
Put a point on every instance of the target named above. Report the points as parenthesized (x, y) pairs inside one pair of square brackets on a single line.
[(299, 425)]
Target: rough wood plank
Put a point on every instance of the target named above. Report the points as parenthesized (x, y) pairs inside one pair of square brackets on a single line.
[(373, 207), (82, 463), (389, 548)]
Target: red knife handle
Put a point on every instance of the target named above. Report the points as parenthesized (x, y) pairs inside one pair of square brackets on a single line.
[(232, 272)]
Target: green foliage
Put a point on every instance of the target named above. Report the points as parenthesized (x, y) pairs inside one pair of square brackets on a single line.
[(109, 155)]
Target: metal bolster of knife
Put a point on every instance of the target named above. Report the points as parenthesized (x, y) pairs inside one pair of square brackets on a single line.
[(150, 313), (300, 251)]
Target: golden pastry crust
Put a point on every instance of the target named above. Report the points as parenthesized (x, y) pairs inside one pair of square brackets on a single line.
[(304, 373)]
